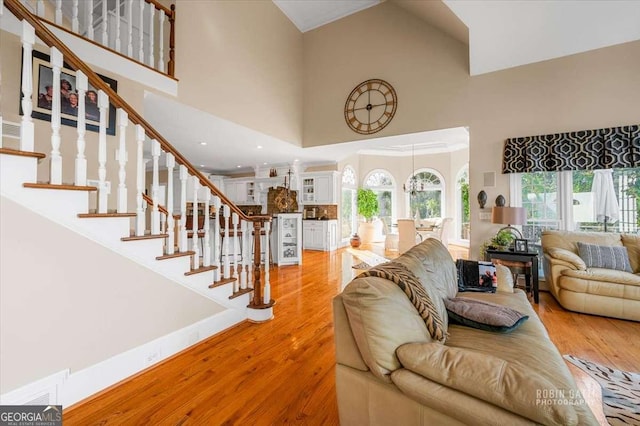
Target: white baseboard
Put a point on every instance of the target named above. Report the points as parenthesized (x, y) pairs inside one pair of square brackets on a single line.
[(45, 391), (84, 383)]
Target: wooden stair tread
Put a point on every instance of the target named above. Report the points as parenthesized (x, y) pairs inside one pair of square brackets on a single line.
[(201, 270), (17, 152), (240, 292), (96, 215), (144, 237), (67, 186), (223, 281), (176, 254), (262, 305)]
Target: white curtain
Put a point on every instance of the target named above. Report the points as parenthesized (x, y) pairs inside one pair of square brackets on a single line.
[(604, 195)]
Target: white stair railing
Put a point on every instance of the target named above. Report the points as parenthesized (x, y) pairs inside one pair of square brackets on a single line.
[(27, 132), (82, 84)]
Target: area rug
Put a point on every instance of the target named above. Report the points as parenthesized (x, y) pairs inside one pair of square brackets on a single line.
[(620, 391), (367, 259)]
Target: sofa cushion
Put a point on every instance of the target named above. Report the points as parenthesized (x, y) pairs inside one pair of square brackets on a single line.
[(608, 257), (381, 319), (602, 282), (632, 243), (425, 299), (505, 279), (483, 315), (567, 239), (501, 382), (567, 256)]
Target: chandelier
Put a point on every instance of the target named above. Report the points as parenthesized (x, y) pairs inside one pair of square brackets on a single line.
[(415, 184)]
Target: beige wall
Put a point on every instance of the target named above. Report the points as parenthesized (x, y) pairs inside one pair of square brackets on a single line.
[(242, 61), (80, 306)]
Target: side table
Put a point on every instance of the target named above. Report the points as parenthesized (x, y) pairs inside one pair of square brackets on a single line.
[(524, 258)]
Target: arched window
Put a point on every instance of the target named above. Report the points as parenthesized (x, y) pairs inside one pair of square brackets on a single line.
[(463, 214), (427, 199), (348, 211), (381, 182)]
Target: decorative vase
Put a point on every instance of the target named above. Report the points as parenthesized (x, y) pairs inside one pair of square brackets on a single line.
[(482, 199), (355, 241), (500, 201)]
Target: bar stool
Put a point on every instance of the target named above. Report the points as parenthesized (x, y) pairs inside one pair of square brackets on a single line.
[(235, 234)]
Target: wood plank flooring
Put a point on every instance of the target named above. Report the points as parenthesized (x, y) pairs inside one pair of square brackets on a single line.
[(282, 372)]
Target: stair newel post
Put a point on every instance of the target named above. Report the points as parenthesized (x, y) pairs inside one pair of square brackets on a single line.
[(75, 23), (140, 171), (194, 228), (206, 243), (105, 17), (155, 187), (27, 134), (236, 250), (90, 19), (56, 158), (172, 40), (123, 121), (257, 286), (225, 243), (130, 29), (171, 163), (246, 251), (161, 17), (58, 16), (103, 104), (183, 209), (216, 239), (267, 282), (82, 84), (141, 33), (118, 42)]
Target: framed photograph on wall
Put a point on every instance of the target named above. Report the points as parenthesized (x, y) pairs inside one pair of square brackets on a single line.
[(520, 246), (42, 96)]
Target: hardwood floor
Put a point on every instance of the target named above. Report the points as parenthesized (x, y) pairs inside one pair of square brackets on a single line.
[(282, 372)]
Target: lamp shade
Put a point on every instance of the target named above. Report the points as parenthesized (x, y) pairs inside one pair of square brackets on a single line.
[(509, 215)]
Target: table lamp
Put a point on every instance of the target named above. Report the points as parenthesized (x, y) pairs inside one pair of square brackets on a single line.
[(509, 216)]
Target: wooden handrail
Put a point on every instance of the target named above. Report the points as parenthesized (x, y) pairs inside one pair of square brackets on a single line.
[(159, 6), (149, 201), (76, 63)]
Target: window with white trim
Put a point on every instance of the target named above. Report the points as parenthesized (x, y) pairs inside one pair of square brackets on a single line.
[(381, 182)]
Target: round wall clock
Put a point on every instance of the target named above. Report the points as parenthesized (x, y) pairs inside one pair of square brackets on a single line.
[(370, 106)]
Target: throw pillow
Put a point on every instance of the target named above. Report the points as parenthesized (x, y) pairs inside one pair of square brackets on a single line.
[(483, 315), (505, 279), (606, 257)]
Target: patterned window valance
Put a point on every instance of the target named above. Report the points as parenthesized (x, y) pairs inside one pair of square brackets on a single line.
[(615, 147)]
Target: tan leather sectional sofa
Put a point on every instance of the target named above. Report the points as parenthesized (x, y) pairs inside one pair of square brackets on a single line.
[(597, 291), (390, 372)]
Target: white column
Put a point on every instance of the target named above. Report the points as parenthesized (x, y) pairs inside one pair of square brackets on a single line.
[(121, 153), (155, 188), (27, 134), (58, 18), (103, 104), (141, 33), (90, 19), (225, 243), (183, 209), (105, 17), (236, 251), (267, 283), (161, 41), (171, 163), (216, 239), (75, 23), (194, 228), (130, 29), (55, 159), (140, 171), (82, 85), (206, 251)]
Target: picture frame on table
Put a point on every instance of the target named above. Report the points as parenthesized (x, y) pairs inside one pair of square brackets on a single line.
[(42, 91), (520, 245)]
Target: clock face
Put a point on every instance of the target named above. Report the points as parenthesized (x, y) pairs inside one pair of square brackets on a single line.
[(370, 106)]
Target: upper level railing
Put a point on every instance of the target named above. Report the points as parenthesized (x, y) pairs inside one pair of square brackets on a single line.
[(193, 185), (141, 30)]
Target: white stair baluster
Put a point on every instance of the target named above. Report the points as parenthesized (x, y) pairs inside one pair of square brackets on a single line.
[(140, 171), (27, 133), (130, 29), (246, 252), (267, 283), (183, 209), (194, 228), (225, 243), (58, 17), (103, 104), (152, 11), (105, 17), (40, 8), (121, 153), (155, 188), (82, 84), (236, 251), (118, 42), (141, 33), (75, 23), (161, 19), (55, 171), (171, 163), (206, 250), (216, 239), (90, 19)]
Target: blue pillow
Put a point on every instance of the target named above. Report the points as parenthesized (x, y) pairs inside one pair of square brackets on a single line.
[(483, 315), (607, 257)]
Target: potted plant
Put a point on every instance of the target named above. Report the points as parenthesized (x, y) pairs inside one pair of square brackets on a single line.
[(367, 208), (501, 241)]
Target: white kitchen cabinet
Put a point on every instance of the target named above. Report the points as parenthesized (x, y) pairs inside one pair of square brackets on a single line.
[(320, 235), (319, 188), (240, 191), (286, 239)]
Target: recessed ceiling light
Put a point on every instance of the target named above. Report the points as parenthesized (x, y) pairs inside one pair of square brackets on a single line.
[(264, 164), (259, 146), (201, 165), (203, 143), (295, 161), (238, 166)]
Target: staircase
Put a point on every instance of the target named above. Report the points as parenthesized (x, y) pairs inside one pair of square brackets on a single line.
[(220, 262)]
